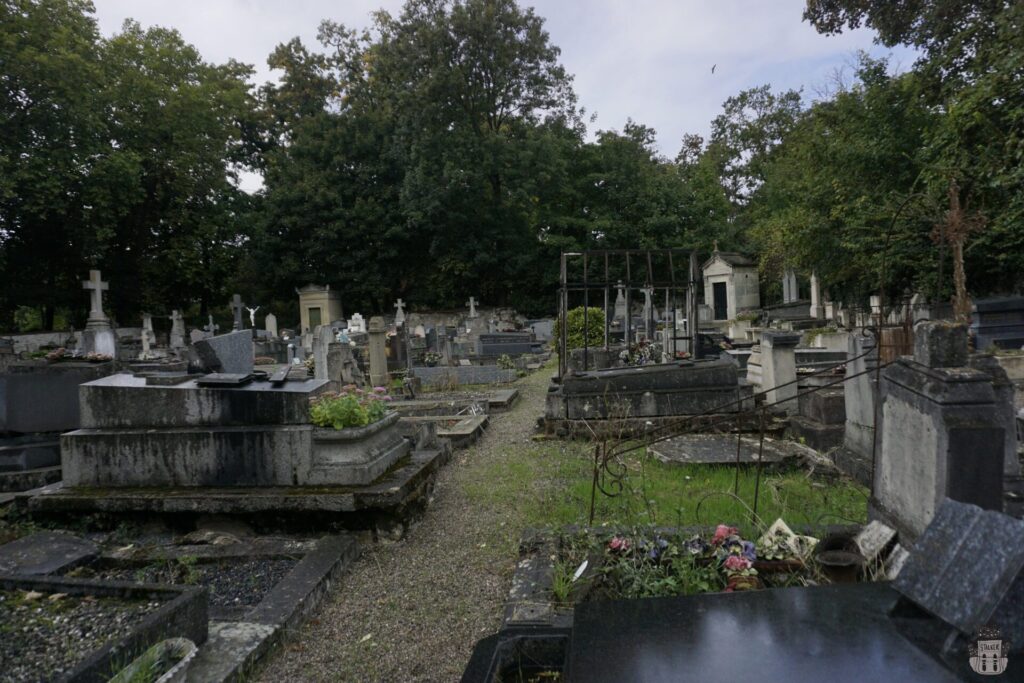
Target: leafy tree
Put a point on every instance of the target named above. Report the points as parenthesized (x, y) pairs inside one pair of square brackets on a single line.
[(51, 133)]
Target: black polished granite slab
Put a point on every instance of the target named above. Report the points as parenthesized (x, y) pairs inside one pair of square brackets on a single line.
[(832, 634)]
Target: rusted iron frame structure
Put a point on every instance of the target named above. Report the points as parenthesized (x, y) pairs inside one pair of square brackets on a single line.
[(605, 259), (609, 470)]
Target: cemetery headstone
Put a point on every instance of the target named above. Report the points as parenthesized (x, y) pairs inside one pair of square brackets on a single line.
[(356, 323), (941, 433), (98, 336), (236, 311), (270, 325), (323, 336), (790, 287), (817, 309), (967, 568), (211, 327), (147, 336), (778, 367), (177, 340), (227, 353), (378, 357), (399, 312), (999, 323), (620, 302), (197, 335), (472, 303)]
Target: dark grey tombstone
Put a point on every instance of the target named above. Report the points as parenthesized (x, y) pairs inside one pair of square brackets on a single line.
[(44, 398), (999, 323), (966, 569), (230, 353)]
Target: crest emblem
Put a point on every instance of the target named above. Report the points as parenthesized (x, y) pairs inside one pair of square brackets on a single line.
[(987, 655)]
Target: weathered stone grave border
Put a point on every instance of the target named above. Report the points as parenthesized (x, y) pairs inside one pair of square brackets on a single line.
[(183, 614)]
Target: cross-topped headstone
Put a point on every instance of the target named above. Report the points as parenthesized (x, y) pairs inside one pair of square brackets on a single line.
[(236, 309), (472, 307), (97, 287), (211, 328), (399, 312)]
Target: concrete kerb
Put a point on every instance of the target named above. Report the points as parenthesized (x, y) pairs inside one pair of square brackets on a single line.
[(236, 649)]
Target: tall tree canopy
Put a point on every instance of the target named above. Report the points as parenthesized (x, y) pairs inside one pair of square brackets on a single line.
[(441, 153)]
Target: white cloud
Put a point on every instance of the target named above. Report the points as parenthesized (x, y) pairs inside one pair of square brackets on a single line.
[(649, 60)]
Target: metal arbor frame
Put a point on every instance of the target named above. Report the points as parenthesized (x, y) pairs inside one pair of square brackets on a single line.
[(642, 269)]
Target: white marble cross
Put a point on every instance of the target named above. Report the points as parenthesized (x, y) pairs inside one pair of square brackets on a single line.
[(97, 286), (400, 312), (472, 307), (211, 328)]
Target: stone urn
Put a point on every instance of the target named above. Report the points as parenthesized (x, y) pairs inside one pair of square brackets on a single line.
[(358, 455)]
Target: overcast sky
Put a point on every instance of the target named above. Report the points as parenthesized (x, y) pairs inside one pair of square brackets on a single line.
[(649, 60)]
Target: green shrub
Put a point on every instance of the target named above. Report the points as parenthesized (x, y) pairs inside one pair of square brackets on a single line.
[(576, 339), (352, 407), (505, 362)]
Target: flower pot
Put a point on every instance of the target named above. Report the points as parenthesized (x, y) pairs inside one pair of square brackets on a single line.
[(355, 456), (839, 558)]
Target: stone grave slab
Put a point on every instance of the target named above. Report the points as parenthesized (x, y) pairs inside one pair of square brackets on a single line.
[(720, 449), (224, 379), (966, 569), (838, 633), (231, 353), (45, 552), (166, 379)]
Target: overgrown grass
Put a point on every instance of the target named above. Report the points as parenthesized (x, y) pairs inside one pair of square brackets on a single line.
[(548, 484)]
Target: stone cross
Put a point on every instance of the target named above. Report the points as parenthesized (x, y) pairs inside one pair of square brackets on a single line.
[(211, 328), (97, 286), (472, 307), (236, 309), (400, 312), (252, 316)]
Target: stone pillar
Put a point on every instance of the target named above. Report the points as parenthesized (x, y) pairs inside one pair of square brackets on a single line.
[(790, 288), (378, 355), (778, 367), (817, 309), (941, 433), (859, 395), (323, 335)]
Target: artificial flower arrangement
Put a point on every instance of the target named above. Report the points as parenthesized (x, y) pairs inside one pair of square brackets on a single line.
[(736, 559), (640, 353)]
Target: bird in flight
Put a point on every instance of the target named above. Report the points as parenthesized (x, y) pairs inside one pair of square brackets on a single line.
[(713, 68)]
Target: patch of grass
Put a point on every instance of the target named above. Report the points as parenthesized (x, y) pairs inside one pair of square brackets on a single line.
[(548, 484)]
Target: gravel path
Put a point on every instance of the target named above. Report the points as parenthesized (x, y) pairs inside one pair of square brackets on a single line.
[(413, 610)]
